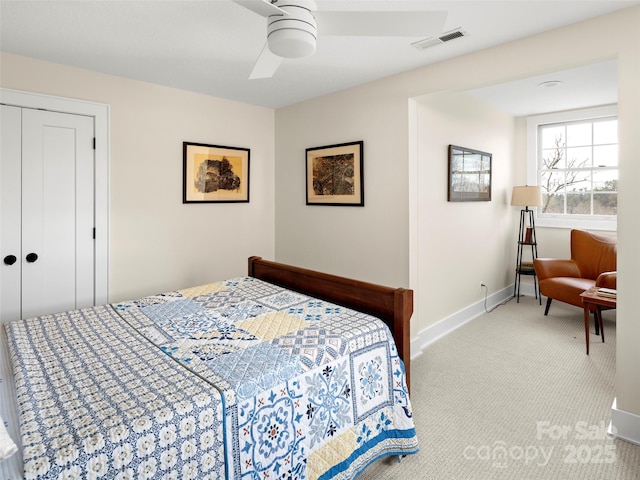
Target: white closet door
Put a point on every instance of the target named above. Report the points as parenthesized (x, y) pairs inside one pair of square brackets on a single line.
[(10, 215), (57, 212), (57, 202)]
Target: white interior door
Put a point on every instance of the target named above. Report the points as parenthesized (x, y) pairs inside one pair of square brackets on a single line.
[(10, 213), (56, 259)]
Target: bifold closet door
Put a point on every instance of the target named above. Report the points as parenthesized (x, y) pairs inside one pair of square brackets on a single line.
[(10, 213), (54, 193)]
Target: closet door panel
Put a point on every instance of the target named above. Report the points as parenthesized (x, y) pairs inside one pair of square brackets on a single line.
[(10, 218), (57, 219), (85, 216)]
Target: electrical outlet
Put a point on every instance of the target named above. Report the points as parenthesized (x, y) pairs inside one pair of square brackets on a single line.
[(482, 285)]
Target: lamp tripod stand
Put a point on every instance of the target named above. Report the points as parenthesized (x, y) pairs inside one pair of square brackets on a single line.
[(526, 238)]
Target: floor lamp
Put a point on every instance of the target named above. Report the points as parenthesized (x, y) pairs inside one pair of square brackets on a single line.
[(526, 196)]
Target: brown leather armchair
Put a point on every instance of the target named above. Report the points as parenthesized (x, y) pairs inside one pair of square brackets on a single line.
[(592, 263)]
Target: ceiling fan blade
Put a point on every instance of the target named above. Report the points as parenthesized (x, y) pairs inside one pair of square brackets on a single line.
[(266, 65), (261, 7), (381, 24)]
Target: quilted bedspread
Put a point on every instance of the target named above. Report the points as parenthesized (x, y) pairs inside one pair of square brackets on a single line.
[(236, 379)]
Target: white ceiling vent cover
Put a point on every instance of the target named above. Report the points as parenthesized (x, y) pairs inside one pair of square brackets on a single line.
[(445, 37)]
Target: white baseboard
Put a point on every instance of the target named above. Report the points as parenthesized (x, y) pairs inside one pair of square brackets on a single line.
[(624, 425), (441, 328)]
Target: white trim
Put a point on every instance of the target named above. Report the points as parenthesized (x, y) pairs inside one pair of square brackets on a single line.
[(101, 114), (414, 221), (624, 425), (435, 332), (533, 122)]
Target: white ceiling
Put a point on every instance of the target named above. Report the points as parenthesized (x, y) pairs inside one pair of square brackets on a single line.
[(210, 46), (581, 87)]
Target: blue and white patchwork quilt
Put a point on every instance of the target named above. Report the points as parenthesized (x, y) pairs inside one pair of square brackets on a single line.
[(239, 379)]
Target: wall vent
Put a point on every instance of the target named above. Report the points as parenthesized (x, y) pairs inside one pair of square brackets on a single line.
[(445, 37)]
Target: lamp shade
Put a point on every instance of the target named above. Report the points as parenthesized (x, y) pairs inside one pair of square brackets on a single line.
[(526, 196)]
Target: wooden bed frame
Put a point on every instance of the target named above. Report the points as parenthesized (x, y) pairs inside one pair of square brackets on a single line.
[(394, 306)]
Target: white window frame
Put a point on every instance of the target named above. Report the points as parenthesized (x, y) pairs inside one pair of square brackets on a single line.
[(591, 222)]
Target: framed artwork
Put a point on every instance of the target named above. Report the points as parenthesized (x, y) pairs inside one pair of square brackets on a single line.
[(214, 174), (469, 175), (334, 175)]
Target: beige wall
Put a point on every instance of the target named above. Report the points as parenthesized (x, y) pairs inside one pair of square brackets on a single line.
[(374, 242), (156, 242), (370, 242), (628, 319), (469, 241)]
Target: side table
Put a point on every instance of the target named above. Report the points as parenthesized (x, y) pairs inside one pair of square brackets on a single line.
[(591, 299)]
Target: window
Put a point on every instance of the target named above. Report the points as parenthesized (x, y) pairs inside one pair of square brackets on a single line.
[(575, 161)]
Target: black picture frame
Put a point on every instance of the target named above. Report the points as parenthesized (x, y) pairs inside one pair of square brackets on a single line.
[(335, 175), (469, 175), (215, 173)]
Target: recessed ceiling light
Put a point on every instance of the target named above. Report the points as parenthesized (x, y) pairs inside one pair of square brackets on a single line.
[(550, 83)]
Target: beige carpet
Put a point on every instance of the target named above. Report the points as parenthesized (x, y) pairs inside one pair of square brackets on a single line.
[(512, 395)]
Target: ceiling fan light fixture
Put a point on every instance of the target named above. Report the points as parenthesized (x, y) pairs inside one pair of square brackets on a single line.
[(292, 43), (294, 35)]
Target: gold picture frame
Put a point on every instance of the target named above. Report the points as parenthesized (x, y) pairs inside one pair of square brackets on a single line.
[(334, 175), (215, 173)]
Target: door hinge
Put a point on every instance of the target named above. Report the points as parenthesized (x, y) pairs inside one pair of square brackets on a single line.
[(94, 233), (94, 143)]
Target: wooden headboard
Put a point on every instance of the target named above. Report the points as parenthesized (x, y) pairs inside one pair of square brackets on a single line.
[(394, 306)]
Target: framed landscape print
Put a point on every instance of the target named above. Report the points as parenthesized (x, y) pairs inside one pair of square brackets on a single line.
[(214, 174), (334, 175), (469, 175)]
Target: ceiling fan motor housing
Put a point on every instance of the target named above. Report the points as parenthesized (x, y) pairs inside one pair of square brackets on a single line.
[(293, 35)]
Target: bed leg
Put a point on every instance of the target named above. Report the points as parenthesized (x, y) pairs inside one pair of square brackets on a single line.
[(400, 457)]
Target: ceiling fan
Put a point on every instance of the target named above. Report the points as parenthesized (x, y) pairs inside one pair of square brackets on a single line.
[(293, 27)]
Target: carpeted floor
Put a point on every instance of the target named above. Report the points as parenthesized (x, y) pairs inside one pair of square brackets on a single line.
[(512, 395)]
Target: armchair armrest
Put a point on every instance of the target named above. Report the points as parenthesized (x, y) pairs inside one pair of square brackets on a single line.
[(607, 280), (554, 267)]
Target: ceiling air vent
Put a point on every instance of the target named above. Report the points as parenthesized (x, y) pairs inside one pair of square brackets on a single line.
[(445, 37)]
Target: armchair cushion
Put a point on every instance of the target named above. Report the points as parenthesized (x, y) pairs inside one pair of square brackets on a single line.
[(566, 289), (592, 263)]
